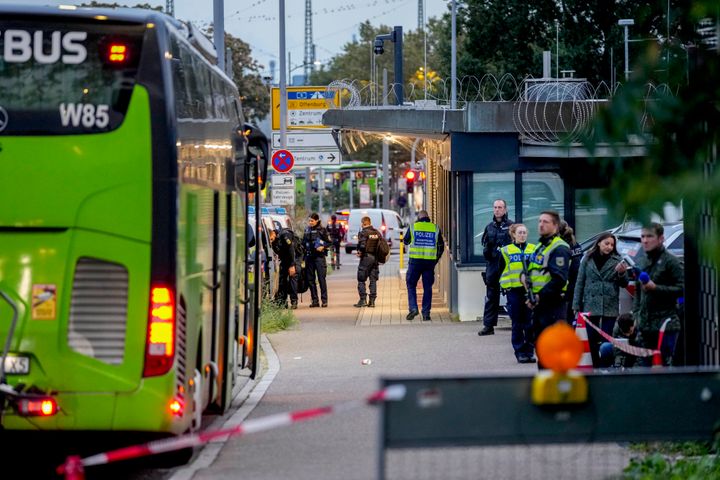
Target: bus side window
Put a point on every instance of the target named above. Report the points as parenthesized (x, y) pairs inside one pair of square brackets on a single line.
[(218, 92), (190, 83), (179, 80), (238, 111), (205, 94)]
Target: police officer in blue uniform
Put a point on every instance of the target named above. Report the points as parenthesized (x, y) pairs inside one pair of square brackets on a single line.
[(368, 268), (282, 245), (495, 236), (426, 247), (316, 240), (548, 274)]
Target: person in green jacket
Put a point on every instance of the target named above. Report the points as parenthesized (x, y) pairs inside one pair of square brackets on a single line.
[(657, 290)]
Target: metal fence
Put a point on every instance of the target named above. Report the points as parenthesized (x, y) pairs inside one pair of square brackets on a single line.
[(472, 428)]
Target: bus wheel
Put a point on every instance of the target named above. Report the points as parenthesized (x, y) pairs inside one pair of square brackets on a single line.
[(197, 401)]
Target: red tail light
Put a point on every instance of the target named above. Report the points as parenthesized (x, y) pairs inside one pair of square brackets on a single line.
[(37, 407), (118, 53), (160, 343), (176, 408)]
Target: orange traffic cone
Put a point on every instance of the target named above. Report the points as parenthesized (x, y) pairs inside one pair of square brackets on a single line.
[(585, 363)]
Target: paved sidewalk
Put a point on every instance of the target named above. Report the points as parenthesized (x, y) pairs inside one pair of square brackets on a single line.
[(324, 360)]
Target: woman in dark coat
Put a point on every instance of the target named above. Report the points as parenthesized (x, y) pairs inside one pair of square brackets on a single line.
[(597, 290)]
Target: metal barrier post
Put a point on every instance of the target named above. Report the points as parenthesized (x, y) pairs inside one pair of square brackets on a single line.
[(402, 256)]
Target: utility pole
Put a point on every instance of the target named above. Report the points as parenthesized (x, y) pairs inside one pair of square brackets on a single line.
[(396, 36), (219, 32), (421, 15), (308, 61), (453, 56), (283, 82), (321, 189), (385, 154), (625, 23), (170, 7)]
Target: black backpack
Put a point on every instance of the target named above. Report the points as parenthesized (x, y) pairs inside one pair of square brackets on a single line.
[(382, 252), (298, 247), (301, 277)]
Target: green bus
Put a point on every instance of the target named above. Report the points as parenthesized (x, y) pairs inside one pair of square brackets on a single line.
[(125, 173)]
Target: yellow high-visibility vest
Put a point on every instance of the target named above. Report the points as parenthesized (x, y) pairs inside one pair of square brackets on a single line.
[(424, 242), (514, 260), (538, 268)]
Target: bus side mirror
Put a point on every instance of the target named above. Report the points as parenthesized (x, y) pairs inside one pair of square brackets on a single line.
[(251, 172)]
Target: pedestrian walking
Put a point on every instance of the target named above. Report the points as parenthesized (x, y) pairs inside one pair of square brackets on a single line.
[(601, 276), (426, 247), (548, 274), (513, 264), (316, 240), (495, 236), (576, 255), (402, 203), (336, 232), (658, 288), (368, 268), (282, 244)]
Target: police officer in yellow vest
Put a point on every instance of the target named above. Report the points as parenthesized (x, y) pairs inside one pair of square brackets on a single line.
[(426, 248), (514, 259), (548, 270)]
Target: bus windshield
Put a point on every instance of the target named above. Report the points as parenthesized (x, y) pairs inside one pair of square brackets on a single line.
[(66, 78)]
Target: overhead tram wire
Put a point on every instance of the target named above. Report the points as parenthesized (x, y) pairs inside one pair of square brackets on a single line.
[(343, 8)]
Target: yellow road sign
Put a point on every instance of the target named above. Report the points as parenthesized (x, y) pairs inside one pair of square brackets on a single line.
[(305, 106)]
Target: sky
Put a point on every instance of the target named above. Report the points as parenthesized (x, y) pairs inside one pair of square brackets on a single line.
[(256, 21)]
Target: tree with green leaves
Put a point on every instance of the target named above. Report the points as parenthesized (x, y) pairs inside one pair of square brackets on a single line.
[(680, 126), (508, 36), (254, 93), (355, 62)]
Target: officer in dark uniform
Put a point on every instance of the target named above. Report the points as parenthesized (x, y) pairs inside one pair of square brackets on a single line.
[(495, 236), (316, 240), (548, 271), (282, 245), (368, 268), (576, 256)]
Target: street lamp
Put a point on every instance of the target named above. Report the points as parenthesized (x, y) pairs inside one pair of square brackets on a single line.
[(396, 37), (625, 23)]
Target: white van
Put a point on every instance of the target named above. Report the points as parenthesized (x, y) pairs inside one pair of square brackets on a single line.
[(386, 222)]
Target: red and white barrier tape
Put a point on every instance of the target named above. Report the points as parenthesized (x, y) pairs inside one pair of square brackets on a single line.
[(389, 394), (625, 347)]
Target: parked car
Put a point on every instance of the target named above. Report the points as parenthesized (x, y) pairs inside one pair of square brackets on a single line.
[(387, 222)]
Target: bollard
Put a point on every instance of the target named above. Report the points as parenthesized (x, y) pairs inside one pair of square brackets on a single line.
[(402, 257)]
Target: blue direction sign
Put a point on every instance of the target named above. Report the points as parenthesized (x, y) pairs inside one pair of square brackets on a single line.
[(282, 161), (310, 94)]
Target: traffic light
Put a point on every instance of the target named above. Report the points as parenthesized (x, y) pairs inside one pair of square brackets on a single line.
[(410, 177)]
